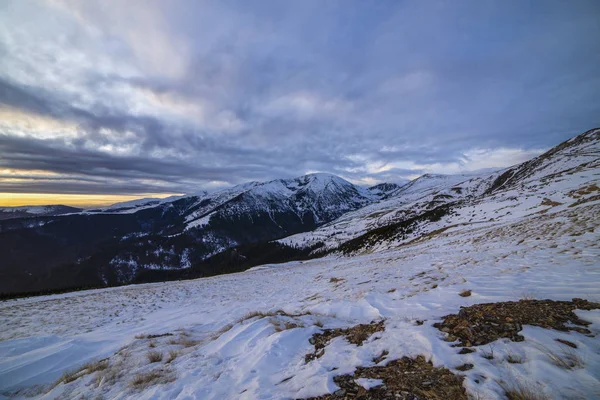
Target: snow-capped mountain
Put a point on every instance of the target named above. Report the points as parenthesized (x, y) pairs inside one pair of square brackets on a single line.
[(122, 241), (260, 222), (248, 213)]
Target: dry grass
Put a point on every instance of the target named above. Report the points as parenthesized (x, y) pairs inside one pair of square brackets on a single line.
[(521, 390), (465, 293), (285, 325), (336, 280), (89, 368), (549, 202), (566, 358), (489, 355), (154, 356), (141, 381), (515, 358), (172, 356), (96, 366), (68, 377), (184, 340)]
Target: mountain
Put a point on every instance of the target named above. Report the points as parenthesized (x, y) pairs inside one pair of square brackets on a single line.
[(134, 241), (285, 219), (563, 176), (35, 211), (384, 189)]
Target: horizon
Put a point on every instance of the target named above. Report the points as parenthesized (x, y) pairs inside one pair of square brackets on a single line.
[(233, 92), (90, 201)]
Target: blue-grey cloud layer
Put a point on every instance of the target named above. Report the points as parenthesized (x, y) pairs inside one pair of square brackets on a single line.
[(152, 96)]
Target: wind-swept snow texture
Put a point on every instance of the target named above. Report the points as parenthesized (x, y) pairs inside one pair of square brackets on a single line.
[(530, 231)]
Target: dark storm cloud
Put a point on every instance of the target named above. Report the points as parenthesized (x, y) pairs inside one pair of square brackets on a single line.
[(197, 94)]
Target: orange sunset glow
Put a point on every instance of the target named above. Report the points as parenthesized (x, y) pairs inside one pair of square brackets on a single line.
[(74, 200)]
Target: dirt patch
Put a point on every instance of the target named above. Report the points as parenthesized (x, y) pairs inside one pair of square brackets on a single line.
[(549, 202), (355, 335), (484, 323), (585, 200), (585, 190), (405, 378)]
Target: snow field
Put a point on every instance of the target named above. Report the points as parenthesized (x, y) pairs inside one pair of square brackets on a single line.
[(218, 350)]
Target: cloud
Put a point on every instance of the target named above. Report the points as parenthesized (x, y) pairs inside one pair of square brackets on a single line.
[(151, 96)]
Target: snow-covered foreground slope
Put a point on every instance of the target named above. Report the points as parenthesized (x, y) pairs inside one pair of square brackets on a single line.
[(213, 352)]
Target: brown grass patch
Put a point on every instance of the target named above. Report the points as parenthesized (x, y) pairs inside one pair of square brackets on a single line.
[(154, 356), (522, 390), (484, 323), (88, 368), (551, 203), (146, 379), (172, 356), (405, 378)]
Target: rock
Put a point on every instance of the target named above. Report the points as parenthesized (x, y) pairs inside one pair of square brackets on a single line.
[(466, 350), (340, 392)]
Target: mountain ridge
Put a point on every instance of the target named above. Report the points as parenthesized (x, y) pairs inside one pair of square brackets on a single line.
[(235, 228)]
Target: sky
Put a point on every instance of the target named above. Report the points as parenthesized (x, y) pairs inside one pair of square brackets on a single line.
[(119, 99)]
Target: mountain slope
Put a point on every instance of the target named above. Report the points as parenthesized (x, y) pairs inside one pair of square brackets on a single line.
[(247, 335), (566, 174), (117, 244)]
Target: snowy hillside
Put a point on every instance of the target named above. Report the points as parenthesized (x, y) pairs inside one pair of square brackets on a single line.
[(224, 337), (565, 175), (478, 286)]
